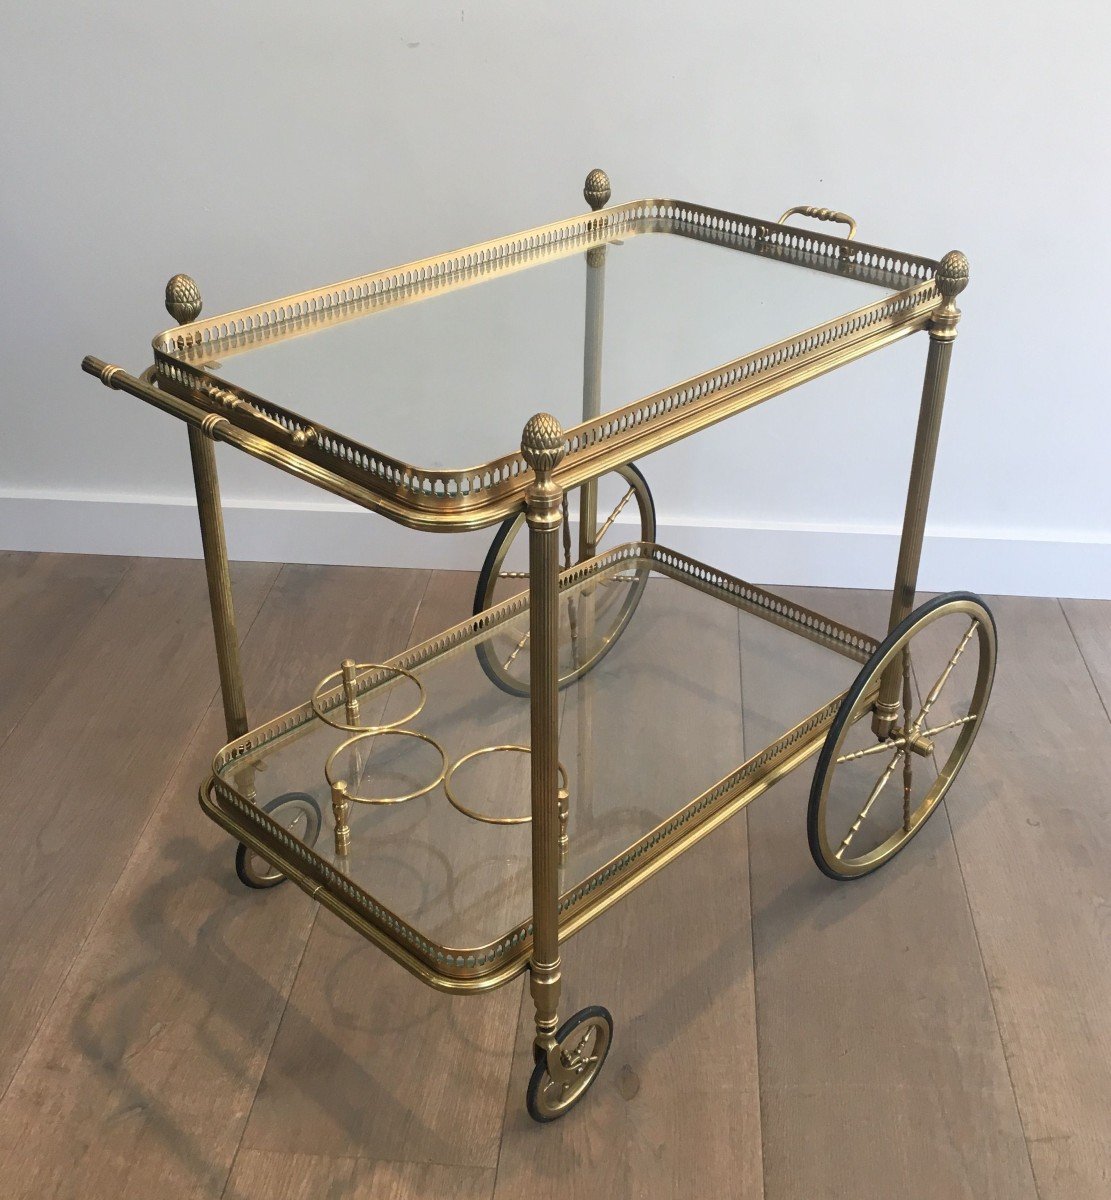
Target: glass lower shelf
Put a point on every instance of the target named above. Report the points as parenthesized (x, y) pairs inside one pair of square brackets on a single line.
[(685, 693)]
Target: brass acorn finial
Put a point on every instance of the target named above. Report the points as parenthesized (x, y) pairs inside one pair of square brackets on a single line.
[(952, 275), (183, 299), (542, 443), (596, 190)]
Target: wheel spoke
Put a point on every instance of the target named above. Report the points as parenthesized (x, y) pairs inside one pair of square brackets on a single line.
[(576, 1060), (948, 725), (517, 650), (612, 517), (908, 785), (887, 744), (918, 697), (935, 691), (609, 581), (908, 769), (572, 621), (881, 783)]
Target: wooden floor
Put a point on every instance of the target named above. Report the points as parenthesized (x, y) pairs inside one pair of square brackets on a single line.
[(939, 1030)]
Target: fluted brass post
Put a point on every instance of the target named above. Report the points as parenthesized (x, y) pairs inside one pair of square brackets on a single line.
[(183, 302), (543, 448), (350, 693), (596, 191), (341, 806), (952, 279)]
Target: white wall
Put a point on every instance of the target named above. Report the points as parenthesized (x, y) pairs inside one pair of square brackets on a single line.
[(266, 147)]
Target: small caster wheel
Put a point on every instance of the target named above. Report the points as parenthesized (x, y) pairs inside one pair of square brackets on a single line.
[(584, 1041), (870, 796), (300, 814)]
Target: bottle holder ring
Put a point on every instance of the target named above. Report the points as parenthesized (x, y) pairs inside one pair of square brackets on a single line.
[(350, 701), (477, 816), (366, 734)]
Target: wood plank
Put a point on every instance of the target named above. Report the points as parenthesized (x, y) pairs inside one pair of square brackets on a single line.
[(882, 1071), (1090, 622), (82, 773), (46, 600), (271, 1175), (370, 1061), (420, 1181), (1033, 831), (275, 1176), (141, 1078), (675, 1111)]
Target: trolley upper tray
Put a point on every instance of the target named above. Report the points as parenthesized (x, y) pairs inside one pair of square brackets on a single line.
[(443, 360), (712, 690)]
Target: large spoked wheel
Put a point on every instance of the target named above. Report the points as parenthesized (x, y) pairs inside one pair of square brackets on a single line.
[(871, 796), (584, 1041), (589, 624), (300, 814)]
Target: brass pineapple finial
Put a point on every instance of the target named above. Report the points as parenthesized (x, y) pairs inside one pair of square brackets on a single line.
[(183, 299), (952, 279), (952, 275), (542, 443), (596, 190)]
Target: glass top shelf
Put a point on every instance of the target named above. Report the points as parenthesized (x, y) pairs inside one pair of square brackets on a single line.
[(440, 364), (654, 723)]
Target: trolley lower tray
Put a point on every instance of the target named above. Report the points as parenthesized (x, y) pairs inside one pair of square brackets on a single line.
[(681, 682)]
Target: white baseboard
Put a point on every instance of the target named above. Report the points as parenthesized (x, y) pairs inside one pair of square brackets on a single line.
[(768, 554)]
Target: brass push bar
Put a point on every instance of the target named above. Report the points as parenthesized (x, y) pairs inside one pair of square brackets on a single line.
[(115, 377), (220, 428)]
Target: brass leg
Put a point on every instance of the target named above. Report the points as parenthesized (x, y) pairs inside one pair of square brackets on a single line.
[(952, 278), (542, 446), (596, 192), (183, 303), (592, 388), (207, 483)]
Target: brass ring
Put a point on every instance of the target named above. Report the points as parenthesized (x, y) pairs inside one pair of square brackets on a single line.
[(370, 733), (322, 687), (211, 422), (467, 812)]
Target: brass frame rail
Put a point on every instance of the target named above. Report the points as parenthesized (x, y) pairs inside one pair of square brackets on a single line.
[(482, 967), (475, 496)]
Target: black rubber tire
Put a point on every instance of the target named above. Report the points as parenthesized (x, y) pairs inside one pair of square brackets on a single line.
[(505, 531), (843, 714), (540, 1070), (312, 832)]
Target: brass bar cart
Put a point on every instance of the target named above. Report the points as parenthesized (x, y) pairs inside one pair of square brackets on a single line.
[(472, 802)]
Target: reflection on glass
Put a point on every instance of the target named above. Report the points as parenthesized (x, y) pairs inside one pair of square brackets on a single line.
[(447, 377), (660, 716)]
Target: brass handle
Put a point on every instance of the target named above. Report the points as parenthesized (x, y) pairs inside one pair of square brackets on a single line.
[(821, 214), (116, 377), (231, 402)]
